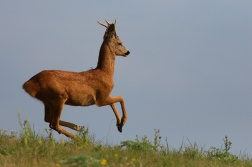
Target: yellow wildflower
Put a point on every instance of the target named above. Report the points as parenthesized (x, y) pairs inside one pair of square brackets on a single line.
[(103, 162), (133, 159), (116, 155), (58, 165)]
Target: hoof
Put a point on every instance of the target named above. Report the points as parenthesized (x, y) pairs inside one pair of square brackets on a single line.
[(81, 128), (119, 127)]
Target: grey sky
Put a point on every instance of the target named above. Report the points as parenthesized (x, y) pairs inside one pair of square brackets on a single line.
[(188, 74)]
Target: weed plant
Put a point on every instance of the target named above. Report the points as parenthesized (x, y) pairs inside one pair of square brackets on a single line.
[(28, 148)]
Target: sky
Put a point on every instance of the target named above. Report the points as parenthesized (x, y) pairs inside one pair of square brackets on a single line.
[(188, 73)]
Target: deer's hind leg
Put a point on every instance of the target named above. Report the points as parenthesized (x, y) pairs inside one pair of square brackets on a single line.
[(52, 116), (47, 117), (70, 125)]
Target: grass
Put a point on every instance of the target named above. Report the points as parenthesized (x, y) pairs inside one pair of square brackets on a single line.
[(28, 148)]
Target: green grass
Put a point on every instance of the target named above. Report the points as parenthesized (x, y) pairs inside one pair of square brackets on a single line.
[(28, 148)]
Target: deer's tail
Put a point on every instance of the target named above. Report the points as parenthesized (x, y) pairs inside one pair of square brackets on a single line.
[(31, 87)]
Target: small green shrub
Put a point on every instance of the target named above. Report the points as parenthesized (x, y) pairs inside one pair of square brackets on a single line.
[(222, 154), (144, 144)]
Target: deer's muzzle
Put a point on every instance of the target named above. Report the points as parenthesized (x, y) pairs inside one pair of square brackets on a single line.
[(127, 53)]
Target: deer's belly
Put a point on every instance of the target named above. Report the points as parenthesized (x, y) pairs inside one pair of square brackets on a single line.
[(83, 100)]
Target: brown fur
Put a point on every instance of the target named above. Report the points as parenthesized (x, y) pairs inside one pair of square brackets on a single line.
[(56, 88)]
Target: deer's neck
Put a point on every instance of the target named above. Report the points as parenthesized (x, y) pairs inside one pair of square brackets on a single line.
[(106, 61)]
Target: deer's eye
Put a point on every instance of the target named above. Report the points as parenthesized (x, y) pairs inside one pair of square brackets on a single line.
[(119, 43)]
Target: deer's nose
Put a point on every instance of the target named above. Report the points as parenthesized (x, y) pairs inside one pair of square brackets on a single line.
[(127, 53)]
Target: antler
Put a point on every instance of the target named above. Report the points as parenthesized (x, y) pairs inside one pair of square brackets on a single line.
[(102, 24), (108, 23), (115, 22)]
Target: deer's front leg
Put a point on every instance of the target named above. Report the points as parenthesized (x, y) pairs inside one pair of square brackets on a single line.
[(110, 101), (118, 119), (125, 115)]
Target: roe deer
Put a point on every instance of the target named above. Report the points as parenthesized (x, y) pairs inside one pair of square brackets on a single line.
[(56, 88)]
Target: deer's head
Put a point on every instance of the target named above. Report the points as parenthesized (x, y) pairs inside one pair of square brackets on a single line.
[(113, 40)]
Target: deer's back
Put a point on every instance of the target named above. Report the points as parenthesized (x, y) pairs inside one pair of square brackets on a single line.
[(78, 88)]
